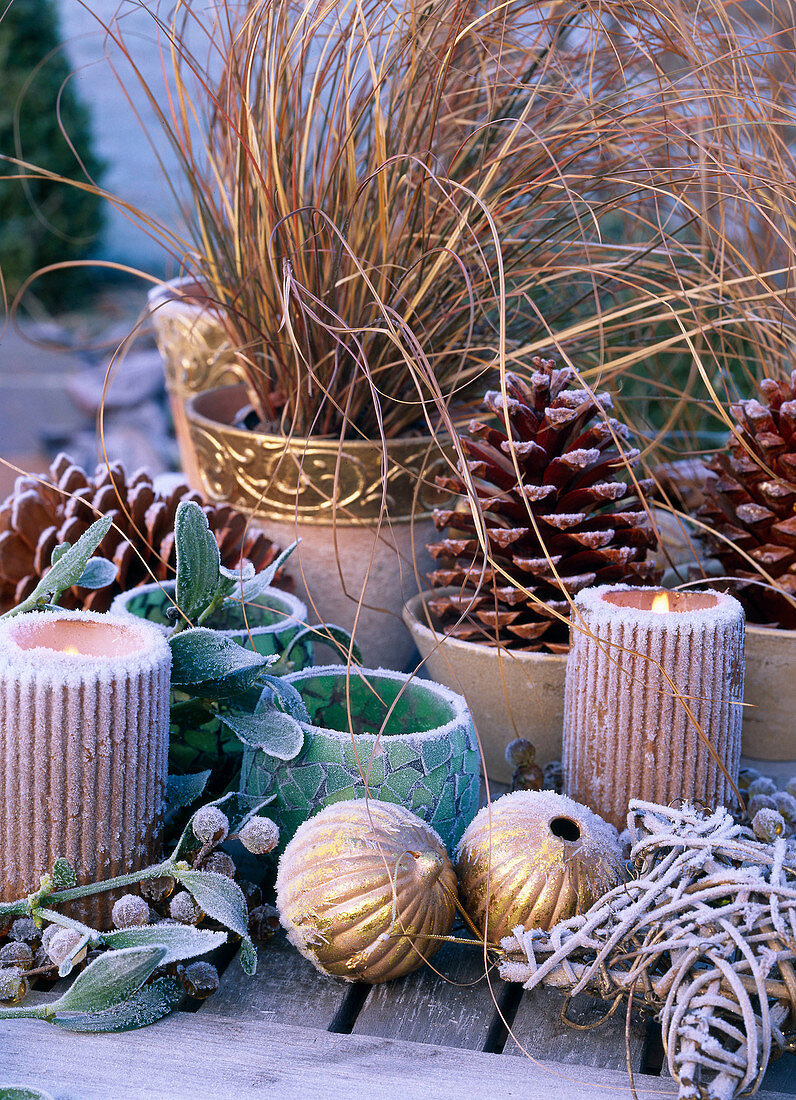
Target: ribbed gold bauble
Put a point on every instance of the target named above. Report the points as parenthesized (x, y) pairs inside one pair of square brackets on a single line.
[(362, 886), (543, 857)]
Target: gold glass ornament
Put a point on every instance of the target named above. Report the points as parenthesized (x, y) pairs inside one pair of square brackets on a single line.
[(542, 857), (363, 887)]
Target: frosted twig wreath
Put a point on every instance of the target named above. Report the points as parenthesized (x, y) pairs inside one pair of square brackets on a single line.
[(703, 935)]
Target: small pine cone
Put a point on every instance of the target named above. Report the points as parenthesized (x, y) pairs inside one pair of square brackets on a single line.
[(199, 980), (221, 864), (751, 502), (39, 515), (16, 954), (259, 835), (210, 825), (184, 909), (157, 889), (13, 986), (570, 521), (130, 911), (263, 922), (25, 930)]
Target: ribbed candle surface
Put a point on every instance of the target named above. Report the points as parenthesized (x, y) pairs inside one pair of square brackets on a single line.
[(83, 748), (627, 733)]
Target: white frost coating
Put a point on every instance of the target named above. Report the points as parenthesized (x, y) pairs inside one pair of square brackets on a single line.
[(83, 755), (639, 683), (595, 832), (459, 710), (580, 457)]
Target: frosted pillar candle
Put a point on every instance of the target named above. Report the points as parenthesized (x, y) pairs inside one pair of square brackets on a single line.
[(640, 661), (84, 713)]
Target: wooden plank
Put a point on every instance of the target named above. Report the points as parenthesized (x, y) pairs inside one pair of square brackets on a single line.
[(286, 988), (539, 1029), (193, 1055), (451, 1009)]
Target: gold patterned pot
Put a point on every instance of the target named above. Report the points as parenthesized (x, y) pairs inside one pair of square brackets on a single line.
[(351, 540), (196, 353)]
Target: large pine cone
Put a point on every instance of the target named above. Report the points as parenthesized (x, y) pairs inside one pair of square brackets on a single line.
[(752, 504), (59, 508), (571, 503)]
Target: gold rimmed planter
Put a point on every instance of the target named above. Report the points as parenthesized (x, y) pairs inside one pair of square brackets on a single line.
[(510, 694), (363, 522)]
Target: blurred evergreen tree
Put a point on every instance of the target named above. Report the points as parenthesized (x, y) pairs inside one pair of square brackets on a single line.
[(41, 221)]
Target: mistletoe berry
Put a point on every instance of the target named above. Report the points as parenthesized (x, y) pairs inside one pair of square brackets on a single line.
[(259, 835), (130, 911), (199, 980), (210, 825)]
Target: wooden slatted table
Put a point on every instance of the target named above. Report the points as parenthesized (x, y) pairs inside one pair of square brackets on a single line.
[(291, 1032)]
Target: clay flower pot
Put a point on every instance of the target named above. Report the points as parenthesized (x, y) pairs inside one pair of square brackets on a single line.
[(410, 740), (301, 489), (509, 694), (769, 726), (197, 739)]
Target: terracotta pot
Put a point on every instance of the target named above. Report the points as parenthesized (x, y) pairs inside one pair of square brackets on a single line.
[(289, 488), (509, 694), (769, 726)]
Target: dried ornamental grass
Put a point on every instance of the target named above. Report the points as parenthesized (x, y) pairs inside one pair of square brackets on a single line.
[(703, 935)]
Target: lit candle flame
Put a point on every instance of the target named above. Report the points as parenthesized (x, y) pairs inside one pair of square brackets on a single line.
[(660, 602), (72, 650)]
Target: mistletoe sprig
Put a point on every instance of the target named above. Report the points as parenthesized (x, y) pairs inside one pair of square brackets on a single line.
[(137, 976), (241, 688)]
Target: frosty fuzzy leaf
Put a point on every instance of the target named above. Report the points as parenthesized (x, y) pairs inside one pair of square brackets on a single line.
[(289, 698), (276, 733), (110, 979), (182, 790), (145, 1006), (66, 570), (23, 1092), (98, 573), (254, 587), (198, 560), (200, 655), (64, 877), (223, 900), (179, 941)]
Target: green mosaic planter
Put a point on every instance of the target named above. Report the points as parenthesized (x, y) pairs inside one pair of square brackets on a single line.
[(197, 739), (425, 759)]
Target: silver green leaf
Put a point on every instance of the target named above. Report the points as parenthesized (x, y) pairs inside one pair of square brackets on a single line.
[(145, 1006), (198, 560), (98, 573), (276, 733), (179, 941), (66, 570), (199, 655), (255, 587), (64, 877), (221, 899), (110, 979), (182, 790)]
